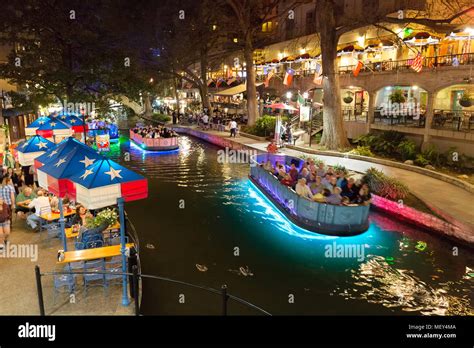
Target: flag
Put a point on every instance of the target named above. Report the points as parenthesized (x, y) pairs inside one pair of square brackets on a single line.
[(357, 68), (209, 82), (219, 82), (300, 100), (269, 76), (318, 75), (417, 63), (288, 77), (231, 81)]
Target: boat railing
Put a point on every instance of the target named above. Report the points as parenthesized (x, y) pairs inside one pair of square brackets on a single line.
[(153, 142)]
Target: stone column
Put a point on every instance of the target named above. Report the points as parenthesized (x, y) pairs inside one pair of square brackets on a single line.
[(371, 110), (428, 119)]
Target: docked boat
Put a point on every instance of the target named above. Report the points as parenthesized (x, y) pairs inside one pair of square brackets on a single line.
[(155, 144), (336, 220)]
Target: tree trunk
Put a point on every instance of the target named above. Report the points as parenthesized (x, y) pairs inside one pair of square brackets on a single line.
[(252, 107), (334, 134), (203, 89), (147, 106), (176, 93)]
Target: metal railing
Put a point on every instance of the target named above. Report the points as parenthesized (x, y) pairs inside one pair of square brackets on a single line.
[(136, 276)]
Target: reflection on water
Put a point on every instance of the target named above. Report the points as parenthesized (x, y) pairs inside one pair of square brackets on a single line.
[(378, 282), (405, 270)]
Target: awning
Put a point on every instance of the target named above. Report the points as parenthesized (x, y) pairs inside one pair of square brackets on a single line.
[(235, 90)]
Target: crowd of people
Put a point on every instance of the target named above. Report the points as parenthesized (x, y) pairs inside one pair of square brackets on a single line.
[(320, 183), (154, 132)]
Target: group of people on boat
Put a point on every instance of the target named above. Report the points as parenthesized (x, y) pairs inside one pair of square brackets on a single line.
[(155, 132), (320, 183)]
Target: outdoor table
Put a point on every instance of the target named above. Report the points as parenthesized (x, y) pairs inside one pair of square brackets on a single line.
[(93, 254), (55, 216), (70, 234)]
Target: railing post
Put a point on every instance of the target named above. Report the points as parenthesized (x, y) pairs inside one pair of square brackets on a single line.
[(136, 296), (39, 289), (224, 300)]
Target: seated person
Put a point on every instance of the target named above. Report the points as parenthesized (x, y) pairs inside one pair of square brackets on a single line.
[(341, 178), (364, 197), (287, 180), (345, 200), (326, 181), (350, 190), (305, 174), (312, 167), (302, 189), (316, 186), (25, 197), (42, 206), (321, 197), (321, 171), (293, 173), (81, 216), (268, 166), (335, 198), (272, 147), (281, 171)]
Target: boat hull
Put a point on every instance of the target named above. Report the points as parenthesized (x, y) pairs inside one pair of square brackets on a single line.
[(328, 219), (158, 144)]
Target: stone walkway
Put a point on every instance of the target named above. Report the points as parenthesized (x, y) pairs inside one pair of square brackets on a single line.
[(443, 197), (18, 295)]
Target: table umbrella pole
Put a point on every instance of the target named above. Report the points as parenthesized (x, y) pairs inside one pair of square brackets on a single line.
[(125, 299), (61, 223)]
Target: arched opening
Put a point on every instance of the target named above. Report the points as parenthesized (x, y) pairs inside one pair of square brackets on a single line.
[(355, 103), (453, 108), (401, 106)]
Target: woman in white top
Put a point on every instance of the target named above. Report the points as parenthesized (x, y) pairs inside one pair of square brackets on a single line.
[(302, 189)]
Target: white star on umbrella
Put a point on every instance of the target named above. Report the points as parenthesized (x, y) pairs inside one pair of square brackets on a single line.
[(42, 145), (63, 117), (86, 174), (114, 173), (53, 153), (61, 161), (87, 161), (53, 124), (41, 122), (72, 121)]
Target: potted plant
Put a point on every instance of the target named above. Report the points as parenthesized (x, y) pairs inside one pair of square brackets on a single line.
[(397, 96), (465, 100), (348, 98)]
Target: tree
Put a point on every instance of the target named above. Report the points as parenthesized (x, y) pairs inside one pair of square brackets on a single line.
[(332, 20)]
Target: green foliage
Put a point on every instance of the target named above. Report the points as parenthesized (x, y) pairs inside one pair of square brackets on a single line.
[(362, 151), (421, 161), (385, 186), (264, 126), (340, 168), (161, 118), (407, 150), (397, 96), (107, 216)]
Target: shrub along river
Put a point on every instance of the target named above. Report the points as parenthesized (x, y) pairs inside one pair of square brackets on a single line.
[(204, 223)]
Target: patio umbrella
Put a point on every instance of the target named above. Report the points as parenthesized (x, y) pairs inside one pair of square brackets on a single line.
[(281, 106), (106, 183), (53, 128), (102, 183), (75, 122), (29, 149), (61, 149), (55, 175), (30, 130)]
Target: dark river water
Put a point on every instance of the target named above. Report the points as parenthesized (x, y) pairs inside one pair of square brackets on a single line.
[(204, 223)]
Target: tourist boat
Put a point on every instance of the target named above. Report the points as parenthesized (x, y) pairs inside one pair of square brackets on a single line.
[(158, 144), (335, 220)]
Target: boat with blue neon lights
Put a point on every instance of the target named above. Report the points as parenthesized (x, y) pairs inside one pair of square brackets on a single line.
[(154, 144), (323, 218)]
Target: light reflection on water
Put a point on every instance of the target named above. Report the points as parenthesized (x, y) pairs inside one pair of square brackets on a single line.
[(396, 273)]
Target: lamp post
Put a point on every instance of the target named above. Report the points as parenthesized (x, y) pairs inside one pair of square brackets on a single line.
[(84, 125), (305, 96)]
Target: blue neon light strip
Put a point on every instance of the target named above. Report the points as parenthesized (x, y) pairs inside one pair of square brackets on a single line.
[(135, 145)]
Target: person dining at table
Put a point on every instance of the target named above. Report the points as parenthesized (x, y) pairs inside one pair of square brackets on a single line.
[(42, 206), (81, 216), (22, 200)]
